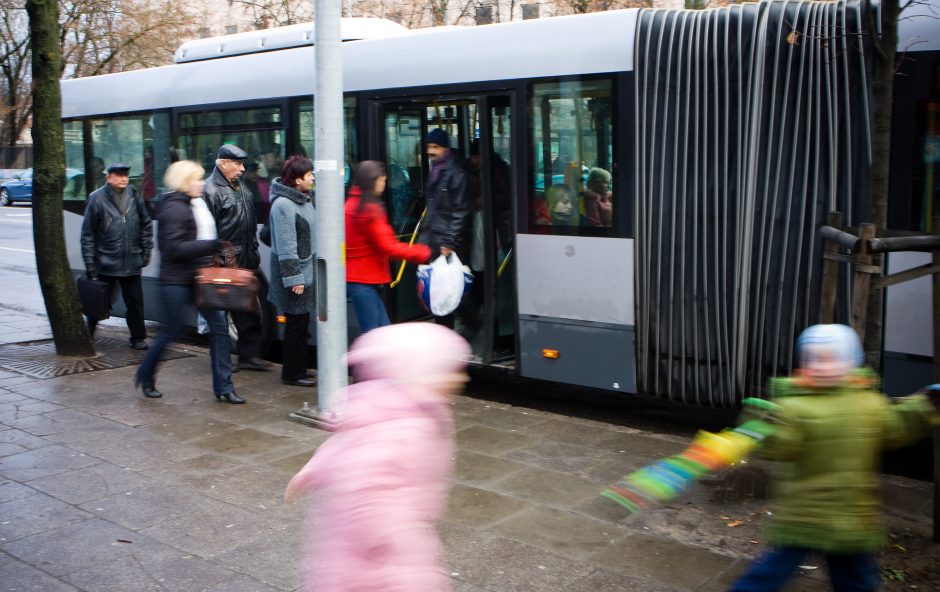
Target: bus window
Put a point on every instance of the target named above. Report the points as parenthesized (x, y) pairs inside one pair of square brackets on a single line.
[(571, 158), (303, 118), (141, 141), (74, 190), (259, 131)]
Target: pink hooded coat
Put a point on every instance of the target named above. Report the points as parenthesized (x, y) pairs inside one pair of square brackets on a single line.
[(382, 480)]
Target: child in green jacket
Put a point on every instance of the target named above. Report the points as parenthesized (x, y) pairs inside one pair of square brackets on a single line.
[(830, 427)]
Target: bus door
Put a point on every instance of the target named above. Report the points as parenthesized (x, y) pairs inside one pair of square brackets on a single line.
[(479, 131)]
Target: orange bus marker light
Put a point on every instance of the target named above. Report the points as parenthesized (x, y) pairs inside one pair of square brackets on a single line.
[(281, 319), (551, 354)]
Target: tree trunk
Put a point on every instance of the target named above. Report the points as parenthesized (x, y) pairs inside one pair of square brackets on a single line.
[(882, 105), (55, 278)]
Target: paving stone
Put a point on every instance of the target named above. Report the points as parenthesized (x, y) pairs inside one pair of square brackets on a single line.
[(251, 487), (645, 447), (198, 466), (539, 526), (273, 558), (13, 441), (610, 581), (25, 408), (34, 514), (561, 457), (509, 566), (175, 573), (147, 506), (17, 576), (74, 547), (185, 427), (512, 420), (475, 468), (549, 487), (92, 483), (11, 490), (479, 507), (489, 441), (663, 560), (242, 443), (293, 463), (211, 531), (461, 586), (42, 462), (7, 397), (69, 425)]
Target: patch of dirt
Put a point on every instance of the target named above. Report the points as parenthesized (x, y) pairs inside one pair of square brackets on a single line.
[(727, 514)]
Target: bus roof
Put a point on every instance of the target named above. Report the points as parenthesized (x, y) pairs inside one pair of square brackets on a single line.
[(351, 29), (584, 44)]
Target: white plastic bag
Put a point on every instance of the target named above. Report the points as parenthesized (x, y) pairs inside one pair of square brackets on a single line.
[(441, 284)]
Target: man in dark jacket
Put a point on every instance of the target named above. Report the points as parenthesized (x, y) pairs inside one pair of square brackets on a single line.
[(233, 207), (449, 198), (117, 238), (449, 201)]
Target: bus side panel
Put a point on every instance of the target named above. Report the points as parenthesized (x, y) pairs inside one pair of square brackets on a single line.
[(576, 298), (908, 333)]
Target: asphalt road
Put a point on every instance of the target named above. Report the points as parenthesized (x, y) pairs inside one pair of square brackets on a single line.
[(19, 286)]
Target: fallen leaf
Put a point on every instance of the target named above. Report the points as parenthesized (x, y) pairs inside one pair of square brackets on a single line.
[(725, 517), (735, 523)]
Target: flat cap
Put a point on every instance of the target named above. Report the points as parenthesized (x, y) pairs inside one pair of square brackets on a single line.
[(118, 167), (232, 152)]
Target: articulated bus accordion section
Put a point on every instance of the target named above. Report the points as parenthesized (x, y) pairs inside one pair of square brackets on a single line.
[(752, 123)]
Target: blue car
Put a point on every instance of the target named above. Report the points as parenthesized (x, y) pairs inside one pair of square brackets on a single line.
[(20, 188)]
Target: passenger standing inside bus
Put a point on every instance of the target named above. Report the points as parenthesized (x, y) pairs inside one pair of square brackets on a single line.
[(293, 246), (446, 225), (233, 207), (187, 237), (117, 238), (370, 243)]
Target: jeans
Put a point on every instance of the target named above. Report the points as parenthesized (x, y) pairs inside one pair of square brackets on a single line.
[(177, 302), (368, 304), (849, 572), (133, 294)]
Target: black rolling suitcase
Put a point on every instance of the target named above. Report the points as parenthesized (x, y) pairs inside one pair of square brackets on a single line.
[(95, 297)]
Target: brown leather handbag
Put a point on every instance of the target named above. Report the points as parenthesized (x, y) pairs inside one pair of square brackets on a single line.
[(226, 287)]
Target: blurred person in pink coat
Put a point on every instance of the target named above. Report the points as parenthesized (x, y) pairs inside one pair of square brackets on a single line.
[(382, 480)]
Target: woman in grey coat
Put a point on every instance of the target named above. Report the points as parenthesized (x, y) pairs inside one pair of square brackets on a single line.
[(293, 247)]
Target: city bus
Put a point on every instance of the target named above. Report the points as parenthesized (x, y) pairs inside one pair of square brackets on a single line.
[(724, 136)]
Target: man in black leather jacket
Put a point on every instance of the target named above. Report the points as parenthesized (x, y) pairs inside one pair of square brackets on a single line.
[(233, 207), (446, 225), (117, 238)]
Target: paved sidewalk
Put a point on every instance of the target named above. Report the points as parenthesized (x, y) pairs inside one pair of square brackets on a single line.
[(101, 490)]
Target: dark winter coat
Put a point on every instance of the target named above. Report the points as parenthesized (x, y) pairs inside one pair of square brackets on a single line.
[(293, 247), (115, 242), (181, 254), (233, 207), (450, 204)]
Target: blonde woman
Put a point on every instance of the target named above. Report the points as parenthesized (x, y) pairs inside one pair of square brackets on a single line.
[(186, 236)]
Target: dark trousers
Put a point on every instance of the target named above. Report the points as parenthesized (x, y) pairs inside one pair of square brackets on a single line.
[(249, 326), (177, 300), (133, 294), (295, 347), (849, 572)]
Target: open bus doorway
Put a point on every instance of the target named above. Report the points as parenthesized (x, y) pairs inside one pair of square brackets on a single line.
[(480, 137)]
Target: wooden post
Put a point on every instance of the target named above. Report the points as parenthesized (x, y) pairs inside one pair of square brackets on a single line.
[(861, 284), (936, 378), (830, 274)]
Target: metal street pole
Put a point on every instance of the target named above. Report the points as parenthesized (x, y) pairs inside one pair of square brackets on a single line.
[(331, 241)]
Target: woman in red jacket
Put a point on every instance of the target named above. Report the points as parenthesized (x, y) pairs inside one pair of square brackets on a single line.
[(370, 244)]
